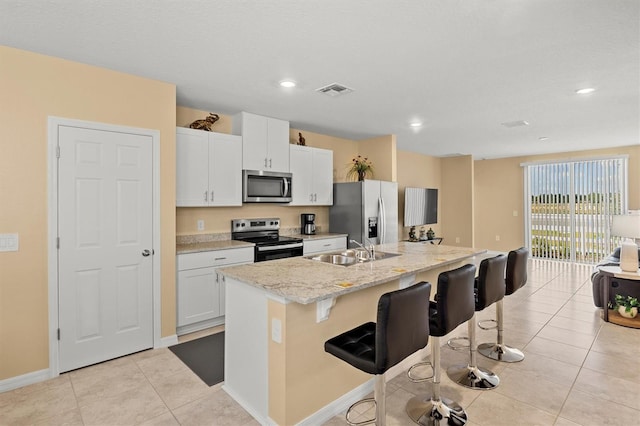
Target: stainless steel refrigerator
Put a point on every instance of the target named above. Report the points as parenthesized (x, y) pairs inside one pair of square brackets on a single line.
[(366, 210)]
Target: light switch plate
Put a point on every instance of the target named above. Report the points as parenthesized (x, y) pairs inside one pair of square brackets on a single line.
[(9, 242), (276, 330)]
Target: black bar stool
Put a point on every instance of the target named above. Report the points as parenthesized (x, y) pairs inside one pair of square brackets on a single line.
[(516, 277), (489, 288), (454, 305), (402, 328)]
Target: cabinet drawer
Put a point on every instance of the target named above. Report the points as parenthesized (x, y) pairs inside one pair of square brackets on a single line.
[(215, 258), (327, 244)]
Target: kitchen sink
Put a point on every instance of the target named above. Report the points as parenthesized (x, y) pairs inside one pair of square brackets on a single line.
[(350, 257)]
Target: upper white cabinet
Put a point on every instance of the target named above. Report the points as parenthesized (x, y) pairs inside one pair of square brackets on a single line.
[(312, 181), (265, 142), (208, 169)]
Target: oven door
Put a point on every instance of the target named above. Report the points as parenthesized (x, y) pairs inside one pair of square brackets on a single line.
[(259, 186), (272, 252)]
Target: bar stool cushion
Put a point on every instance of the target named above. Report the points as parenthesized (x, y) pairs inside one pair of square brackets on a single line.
[(455, 301), (490, 283), (516, 276), (402, 328)]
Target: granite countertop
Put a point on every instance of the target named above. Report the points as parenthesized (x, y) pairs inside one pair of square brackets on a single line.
[(211, 242), (318, 236), (306, 281), (198, 246)]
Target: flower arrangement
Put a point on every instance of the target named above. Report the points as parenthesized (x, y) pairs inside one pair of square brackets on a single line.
[(360, 167)]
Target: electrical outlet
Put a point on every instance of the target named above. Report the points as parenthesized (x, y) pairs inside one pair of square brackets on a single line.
[(276, 330), (457, 239), (497, 237), (200, 225)]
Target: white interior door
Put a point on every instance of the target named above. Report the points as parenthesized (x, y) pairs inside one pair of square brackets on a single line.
[(105, 262)]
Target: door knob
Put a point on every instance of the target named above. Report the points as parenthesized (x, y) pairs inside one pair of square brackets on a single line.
[(146, 252)]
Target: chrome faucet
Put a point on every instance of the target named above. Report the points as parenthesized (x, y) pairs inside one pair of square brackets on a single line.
[(370, 251)]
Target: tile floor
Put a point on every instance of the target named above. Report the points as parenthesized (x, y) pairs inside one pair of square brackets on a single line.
[(577, 371)]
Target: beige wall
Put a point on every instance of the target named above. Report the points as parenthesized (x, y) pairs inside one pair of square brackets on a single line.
[(499, 192), (34, 87), (457, 201), (382, 153), (418, 171)]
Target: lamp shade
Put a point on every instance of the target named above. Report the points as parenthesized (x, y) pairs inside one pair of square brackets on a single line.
[(627, 225)]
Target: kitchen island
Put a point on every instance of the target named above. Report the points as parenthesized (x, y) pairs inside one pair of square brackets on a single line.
[(280, 313)]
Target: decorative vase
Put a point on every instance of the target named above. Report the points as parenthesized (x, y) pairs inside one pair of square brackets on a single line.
[(361, 175), (430, 234), (631, 314)]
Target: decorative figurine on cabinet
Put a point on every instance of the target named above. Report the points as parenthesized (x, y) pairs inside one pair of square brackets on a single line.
[(301, 140), (206, 123)]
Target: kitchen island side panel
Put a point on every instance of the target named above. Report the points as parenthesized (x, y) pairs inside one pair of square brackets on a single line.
[(245, 351)]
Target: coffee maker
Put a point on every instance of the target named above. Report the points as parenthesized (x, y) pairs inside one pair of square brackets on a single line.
[(308, 223)]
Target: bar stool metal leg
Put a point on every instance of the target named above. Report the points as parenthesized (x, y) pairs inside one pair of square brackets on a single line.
[(379, 401), (499, 351), (471, 375), (435, 410)]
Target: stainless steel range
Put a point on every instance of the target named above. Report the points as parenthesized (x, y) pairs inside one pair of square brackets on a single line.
[(265, 234)]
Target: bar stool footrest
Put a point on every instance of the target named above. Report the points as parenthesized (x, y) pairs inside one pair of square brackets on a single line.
[(458, 343), (364, 422), (420, 379), (493, 326)]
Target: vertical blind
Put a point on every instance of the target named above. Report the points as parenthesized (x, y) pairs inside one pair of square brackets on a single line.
[(570, 206)]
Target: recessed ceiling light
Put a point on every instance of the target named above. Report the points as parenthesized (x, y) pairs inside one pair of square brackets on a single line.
[(543, 138), (416, 124), (585, 91), (288, 83)]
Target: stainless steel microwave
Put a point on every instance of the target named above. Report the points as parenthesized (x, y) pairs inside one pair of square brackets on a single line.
[(259, 186)]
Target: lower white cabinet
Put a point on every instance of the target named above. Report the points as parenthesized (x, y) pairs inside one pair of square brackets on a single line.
[(324, 245), (201, 289)]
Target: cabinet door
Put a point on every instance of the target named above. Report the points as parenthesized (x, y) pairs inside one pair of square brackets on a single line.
[(198, 295), (278, 145), (225, 170), (322, 169), (301, 163), (192, 168), (254, 141)]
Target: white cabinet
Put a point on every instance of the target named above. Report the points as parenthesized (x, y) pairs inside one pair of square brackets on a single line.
[(312, 181), (208, 168), (324, 245), (265, 142), (201, 289)]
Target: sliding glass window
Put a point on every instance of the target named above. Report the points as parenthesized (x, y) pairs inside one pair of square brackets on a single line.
[(570, 206)]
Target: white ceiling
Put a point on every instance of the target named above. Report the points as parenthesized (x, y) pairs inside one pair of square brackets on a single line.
[(462, 67)]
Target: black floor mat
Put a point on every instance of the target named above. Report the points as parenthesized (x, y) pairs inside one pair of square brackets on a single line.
[(204, 356)]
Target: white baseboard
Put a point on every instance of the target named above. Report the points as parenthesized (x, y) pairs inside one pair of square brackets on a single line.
[(24, 380), (165, 342), (249, 408), (339, 405)]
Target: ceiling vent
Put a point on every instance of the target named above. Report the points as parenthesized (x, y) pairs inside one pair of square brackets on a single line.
[(515, 123), (334, 90)]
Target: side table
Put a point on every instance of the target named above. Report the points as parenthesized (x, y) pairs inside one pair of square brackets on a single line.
[(615, 272)]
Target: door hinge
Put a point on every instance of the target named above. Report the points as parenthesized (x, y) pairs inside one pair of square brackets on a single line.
[(58, 151), (58, 243), (58, 334)]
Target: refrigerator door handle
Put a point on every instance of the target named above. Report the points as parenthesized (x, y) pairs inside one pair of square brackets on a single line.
[(382, 220)]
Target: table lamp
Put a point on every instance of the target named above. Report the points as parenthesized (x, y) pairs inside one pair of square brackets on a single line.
[(627, 226)]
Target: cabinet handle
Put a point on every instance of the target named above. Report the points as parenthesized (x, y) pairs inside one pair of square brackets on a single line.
[(219, 258), (206, 195), (211, 196), (315, 197), (270, 166), (327, 245), (310, 197), (265, 162)]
